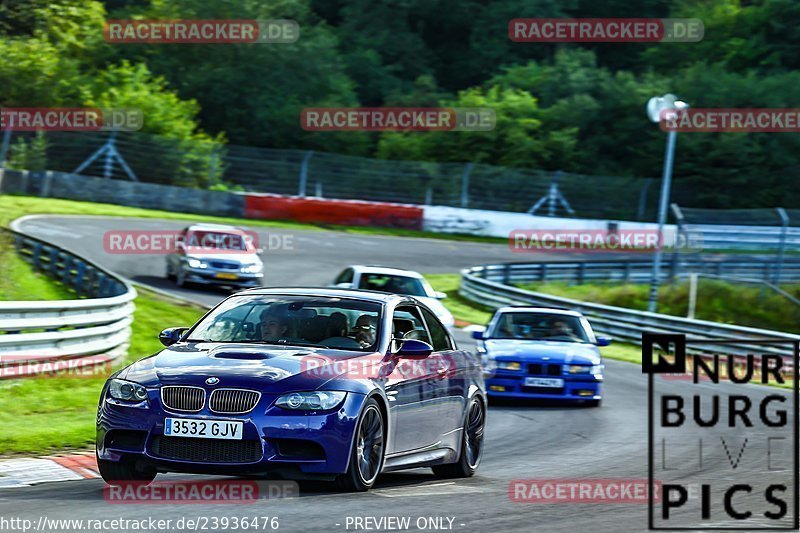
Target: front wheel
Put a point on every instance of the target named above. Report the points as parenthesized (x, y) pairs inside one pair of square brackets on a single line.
[(471, 444), (366, 459), (180, 277), (123, 472)]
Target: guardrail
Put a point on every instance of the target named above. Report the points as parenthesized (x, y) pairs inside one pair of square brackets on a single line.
[(637, 271), (42, 336), (770, 230), (488, 285)]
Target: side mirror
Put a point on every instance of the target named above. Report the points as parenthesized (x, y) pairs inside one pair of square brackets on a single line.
[(414, 349), (478, 335), (440, 295), (603, 341), (170, 336)]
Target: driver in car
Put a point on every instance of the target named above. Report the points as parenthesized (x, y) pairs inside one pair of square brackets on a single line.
[(273, 326), (365, 330), (559, 328)]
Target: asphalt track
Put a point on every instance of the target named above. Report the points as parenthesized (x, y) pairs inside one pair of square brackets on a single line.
[(522, 441)]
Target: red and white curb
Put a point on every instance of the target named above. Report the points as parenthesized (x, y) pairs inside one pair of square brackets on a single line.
[(33, 471)]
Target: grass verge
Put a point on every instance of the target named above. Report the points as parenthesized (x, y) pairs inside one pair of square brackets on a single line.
[(20, 282), (717, 301)]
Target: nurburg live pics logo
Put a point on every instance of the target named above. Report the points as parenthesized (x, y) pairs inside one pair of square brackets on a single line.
[(722, 444)]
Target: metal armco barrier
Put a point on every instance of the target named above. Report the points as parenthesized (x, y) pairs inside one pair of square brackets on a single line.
[(488, 285), (41, 336), (636, 271)]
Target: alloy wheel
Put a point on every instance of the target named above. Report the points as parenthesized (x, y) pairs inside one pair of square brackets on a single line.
[(474, 433), (369, 444)]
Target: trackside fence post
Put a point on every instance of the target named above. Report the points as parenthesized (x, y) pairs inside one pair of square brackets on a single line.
[(782, 246)]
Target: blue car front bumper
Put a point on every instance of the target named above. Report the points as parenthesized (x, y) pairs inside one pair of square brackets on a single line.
[(274, 441), (506, 384)]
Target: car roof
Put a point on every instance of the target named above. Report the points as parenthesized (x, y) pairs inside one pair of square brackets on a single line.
[(332, 292), (530, 309), (214, 227), (377, 269)]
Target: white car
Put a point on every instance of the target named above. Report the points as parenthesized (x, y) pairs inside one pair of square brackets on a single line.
[(396, 281)]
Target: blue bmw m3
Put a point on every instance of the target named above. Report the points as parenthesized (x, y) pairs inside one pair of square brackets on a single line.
[(328, 384), (539, 353)]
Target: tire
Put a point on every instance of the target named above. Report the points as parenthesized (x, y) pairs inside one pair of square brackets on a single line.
[(170, 276), (180, 278), (594, 403), (471, 444), (369, 435), (122, 472)]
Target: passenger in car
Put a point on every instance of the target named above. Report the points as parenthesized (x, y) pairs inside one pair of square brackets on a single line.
[(365, 330)]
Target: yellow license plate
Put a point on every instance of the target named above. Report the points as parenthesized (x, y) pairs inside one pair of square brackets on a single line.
[(225, 275)]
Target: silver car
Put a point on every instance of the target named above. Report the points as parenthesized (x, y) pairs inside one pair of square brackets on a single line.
[(211, 254)]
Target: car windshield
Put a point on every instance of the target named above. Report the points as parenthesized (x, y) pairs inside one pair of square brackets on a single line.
[(540, 326), (392, 283), (328, 322)]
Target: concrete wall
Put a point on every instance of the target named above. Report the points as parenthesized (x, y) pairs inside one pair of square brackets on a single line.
[(120, 192), (500, 224)]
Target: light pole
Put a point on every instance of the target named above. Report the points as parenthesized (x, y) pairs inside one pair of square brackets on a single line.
[(4, 146), (656, 109)]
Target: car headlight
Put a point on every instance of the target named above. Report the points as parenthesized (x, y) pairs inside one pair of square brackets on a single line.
[(255, 268), (509, 365), (311, 401), (196, 263), (488, 363), (585, 369), (119, 389)]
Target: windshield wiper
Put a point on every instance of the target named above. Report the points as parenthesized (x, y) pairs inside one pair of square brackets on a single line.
[(243, 341)]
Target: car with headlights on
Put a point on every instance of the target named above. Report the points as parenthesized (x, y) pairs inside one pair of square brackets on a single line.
[(215, 254), (327, 384), (541, 353), (395, 281)]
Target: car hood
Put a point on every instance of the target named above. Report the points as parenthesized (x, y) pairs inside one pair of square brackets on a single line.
[(536, 351), (264, 368)]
